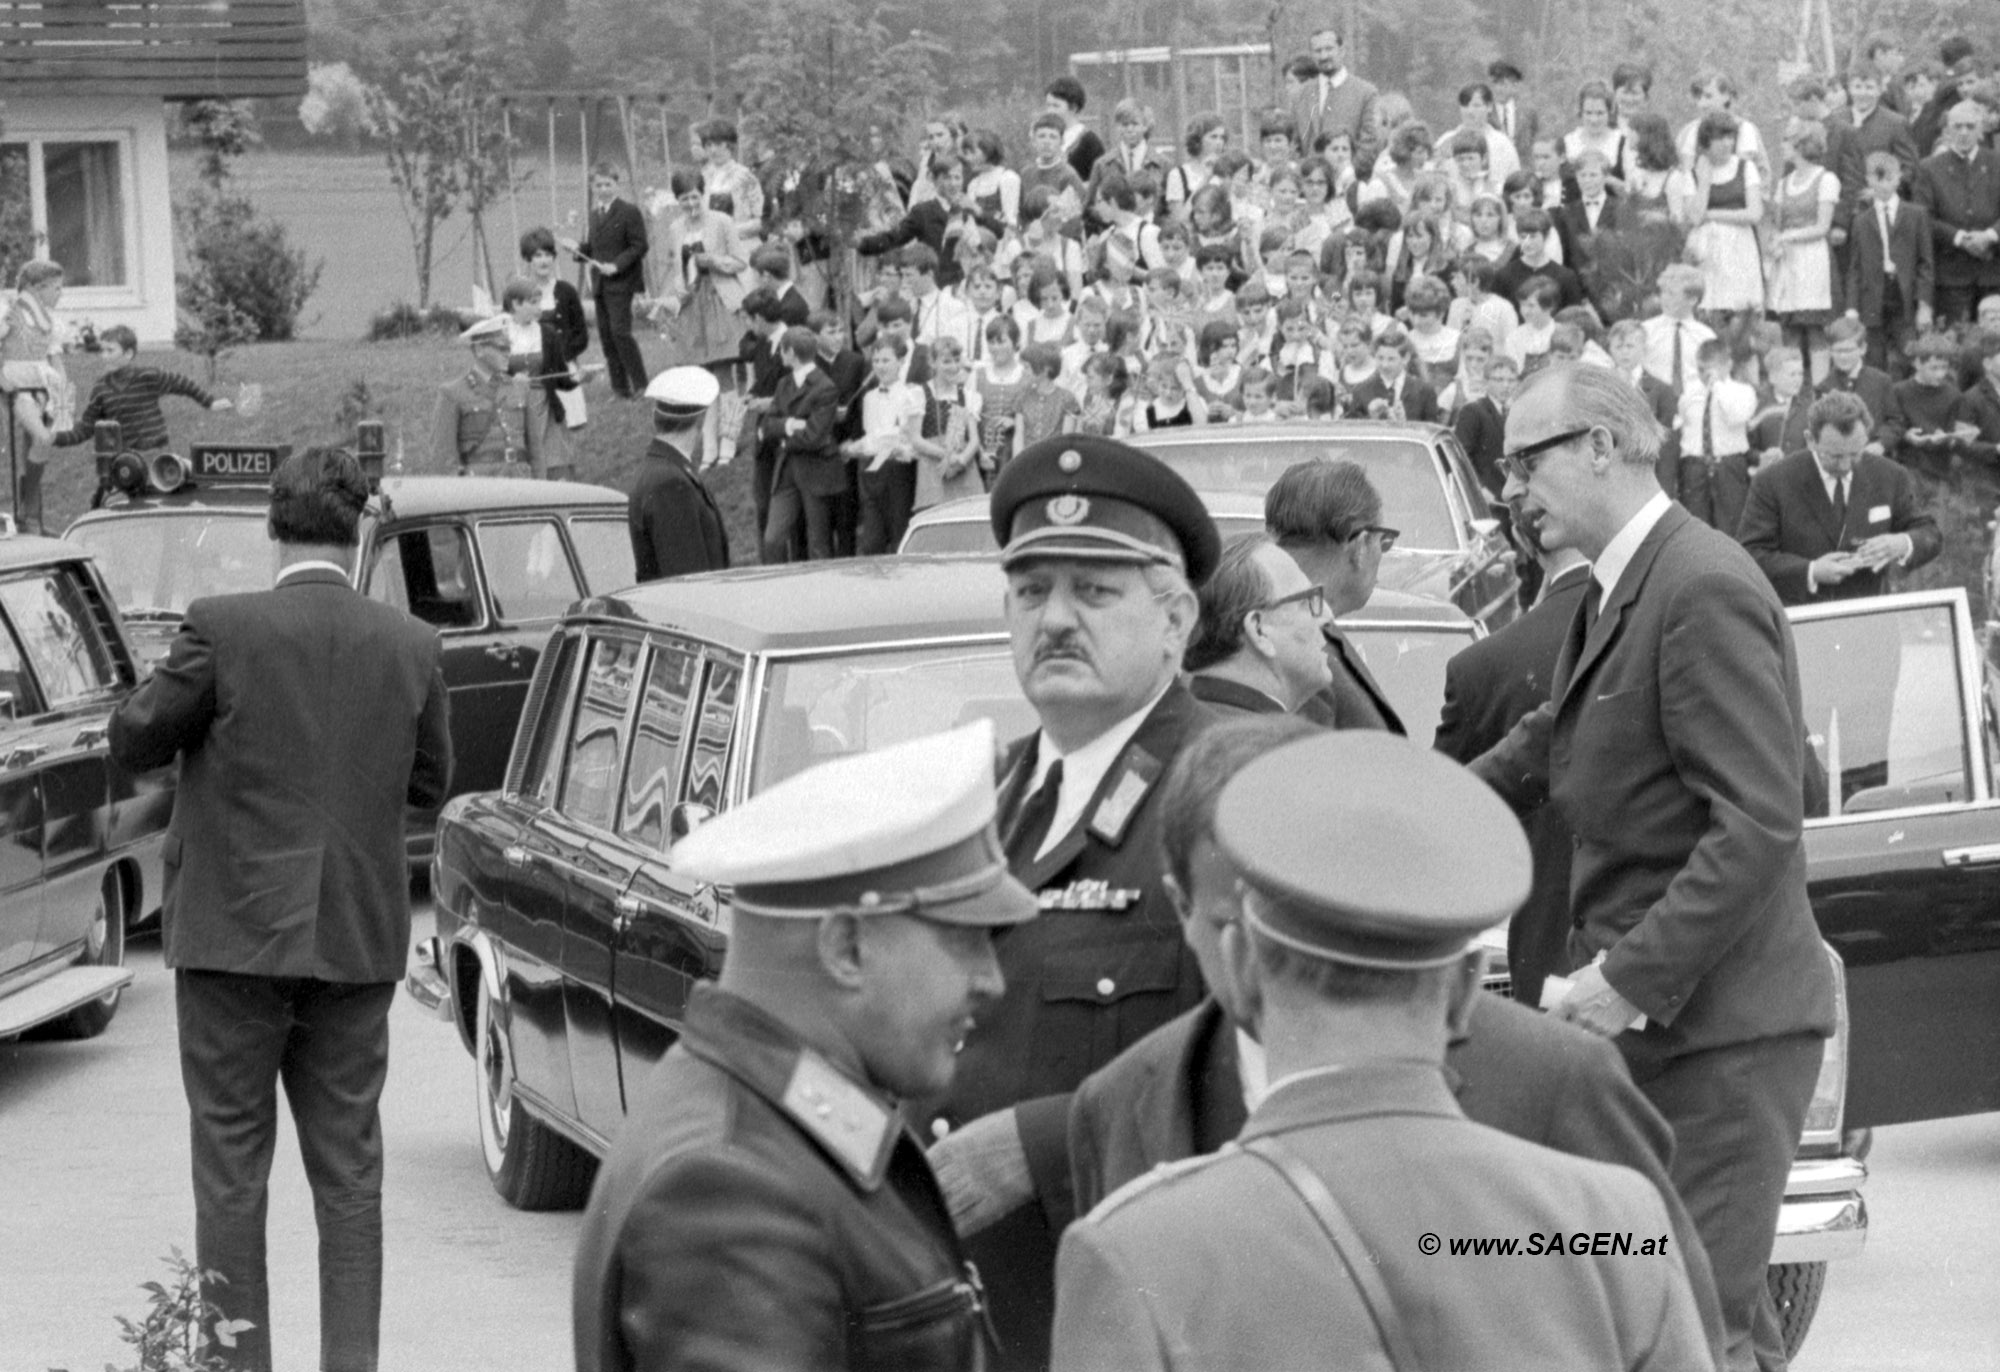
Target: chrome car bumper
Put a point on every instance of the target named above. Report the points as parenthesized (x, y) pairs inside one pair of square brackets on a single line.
[(426, 981), (1824, 1217)]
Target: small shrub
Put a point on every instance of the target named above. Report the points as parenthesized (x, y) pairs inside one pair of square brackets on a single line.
[(246, 259), (182, 1330), (404, 320)]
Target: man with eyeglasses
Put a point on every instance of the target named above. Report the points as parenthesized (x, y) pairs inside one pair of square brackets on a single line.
[(1674, 745), (1103, 548), (1959, 186), (1257, 647), (1327, 516)]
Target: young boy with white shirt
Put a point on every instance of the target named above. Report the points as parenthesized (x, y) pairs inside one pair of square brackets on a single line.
[(1715, 415)]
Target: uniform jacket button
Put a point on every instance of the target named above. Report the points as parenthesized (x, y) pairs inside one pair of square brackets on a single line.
[(1105, 986)]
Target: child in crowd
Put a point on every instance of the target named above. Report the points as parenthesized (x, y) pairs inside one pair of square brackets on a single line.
[(1175, 403), (1322, 401), (1220, 377), (1363, 306), (1086, 342), (1847, 370), (1298, 357), (1674, 336), (1354, 347), (1436, 346), (1920, 429), (1488, 221), (1715, 416), (1474, 305), (1891, 284), (1215, 302), (1044, 408), (131, 395), (1476, 350), (1780, 425), (1528, 343), (1048, 291), (1260, 396), (1104, 388), (982, 295), (1481, 424), (1393, 392), (947, 446), (1257, 325)]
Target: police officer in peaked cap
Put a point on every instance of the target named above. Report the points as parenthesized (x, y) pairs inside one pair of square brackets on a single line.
[(1356, 1168), (766, 1205), (1102, 546)]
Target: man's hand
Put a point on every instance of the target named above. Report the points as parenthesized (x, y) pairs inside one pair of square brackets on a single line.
[(1592, 1004), (1884, 550), (982, 1168), (1830, 569)]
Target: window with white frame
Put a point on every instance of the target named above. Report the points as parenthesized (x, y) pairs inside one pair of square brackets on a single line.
[(68, 198)]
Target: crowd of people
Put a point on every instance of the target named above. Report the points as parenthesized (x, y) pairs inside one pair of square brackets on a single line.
[(1357, 261)]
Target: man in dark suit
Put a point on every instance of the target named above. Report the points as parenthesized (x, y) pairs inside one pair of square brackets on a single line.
[(809, 476), (1103, 549), (1179, 1092), (1598, 209), (1490, 685), (1521, 125), (1959, 187), (305, 719), (1674, 745), (1392, 391), (1877, 128), (1256, 647), (1327, 515), (1351, 968), (1338, 102), (612, 253), (1833, 522), (1081, 146), (1848, 371), (675, 525), (1891, 284)]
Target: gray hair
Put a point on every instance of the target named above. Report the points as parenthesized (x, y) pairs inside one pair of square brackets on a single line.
[(1237, 587), (1600, 397)]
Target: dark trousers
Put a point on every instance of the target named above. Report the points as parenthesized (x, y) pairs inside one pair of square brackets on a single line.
[(1959, 304), (622, 360), (1737, 1113), (28, 494), (328, 1042), (1887, 340), (790, 507), (887, 497), (1715, 492)]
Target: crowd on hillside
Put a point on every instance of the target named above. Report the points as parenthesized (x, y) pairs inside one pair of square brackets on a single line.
[(1360, 261)]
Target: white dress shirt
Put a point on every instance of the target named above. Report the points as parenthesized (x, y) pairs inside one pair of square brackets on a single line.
[(315, 565), (1617, 554), (1083, 770)]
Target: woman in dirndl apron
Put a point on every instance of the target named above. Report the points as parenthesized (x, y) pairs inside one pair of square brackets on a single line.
[(39, 398)]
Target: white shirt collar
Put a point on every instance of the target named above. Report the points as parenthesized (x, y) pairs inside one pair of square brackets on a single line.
[(1084, 769), (1828, 480), (1252, 1068), (316, 565), (1617, 554), (1335, 81)]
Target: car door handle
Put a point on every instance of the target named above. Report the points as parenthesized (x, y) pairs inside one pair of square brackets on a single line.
[(1979, 855), (503, 652), (24, 755), (516, 857), (92, 736)]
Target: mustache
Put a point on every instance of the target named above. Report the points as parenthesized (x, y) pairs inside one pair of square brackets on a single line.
[(1059, 646)]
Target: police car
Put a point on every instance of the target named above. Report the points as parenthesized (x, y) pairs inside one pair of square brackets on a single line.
[(491, 562), (80, 839)]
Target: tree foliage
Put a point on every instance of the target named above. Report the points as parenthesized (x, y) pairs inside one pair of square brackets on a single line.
[(445, 148)]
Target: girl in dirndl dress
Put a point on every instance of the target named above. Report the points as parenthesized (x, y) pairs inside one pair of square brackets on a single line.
[(1803, 204), (704, 266), (1728, 203), (34, 383), (948, 444)]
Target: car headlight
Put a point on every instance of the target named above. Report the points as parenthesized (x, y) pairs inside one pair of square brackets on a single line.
[(1824, 1115)]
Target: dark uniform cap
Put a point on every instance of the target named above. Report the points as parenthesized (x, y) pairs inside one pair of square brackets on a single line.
[(1079, 496), (907, 829), (1374, 850)]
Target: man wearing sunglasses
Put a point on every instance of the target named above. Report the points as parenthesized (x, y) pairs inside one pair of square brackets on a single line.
[(1673, 744), (1257, 647), (1327, 516)]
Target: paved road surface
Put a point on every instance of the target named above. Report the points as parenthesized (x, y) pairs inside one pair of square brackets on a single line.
[(94, 1138)]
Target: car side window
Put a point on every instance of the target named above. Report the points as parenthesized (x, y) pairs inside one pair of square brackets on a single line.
[(1884, 712), (604, 551), (60, 636), (709, 763), (434, 566), (539, 770), (527, 571), (597, 733), (17, 688), (651, 778)]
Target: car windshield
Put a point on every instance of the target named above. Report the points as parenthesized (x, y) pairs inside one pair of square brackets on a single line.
[(819, 708), (156, 563), (1403, 470), (1408, 664)]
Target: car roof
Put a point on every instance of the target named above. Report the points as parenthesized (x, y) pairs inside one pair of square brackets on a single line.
[(32, 550), (1290, 431), (805, 606), (406, 497), (976, 509), (1403, 607)]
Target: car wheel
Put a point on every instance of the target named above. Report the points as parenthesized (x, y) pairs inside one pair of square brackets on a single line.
[(529, 1164), (103, 946), (1795, 1288)]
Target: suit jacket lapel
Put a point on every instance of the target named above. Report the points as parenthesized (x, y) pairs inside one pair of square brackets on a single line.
[(1194, 1102), (1617, 602)]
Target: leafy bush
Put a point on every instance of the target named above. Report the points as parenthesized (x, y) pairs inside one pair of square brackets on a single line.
[(182, 1331), (245, 259), (404, 320)]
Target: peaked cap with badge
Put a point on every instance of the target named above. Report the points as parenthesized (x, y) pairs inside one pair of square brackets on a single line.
[(1099, 500), (764, 1207)]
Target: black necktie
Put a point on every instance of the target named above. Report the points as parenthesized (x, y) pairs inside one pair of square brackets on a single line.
[(1840, 503), (1031, 825)]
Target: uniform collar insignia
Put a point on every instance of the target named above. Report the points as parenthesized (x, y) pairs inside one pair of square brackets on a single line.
[(1137, 771), (850, 1123)]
